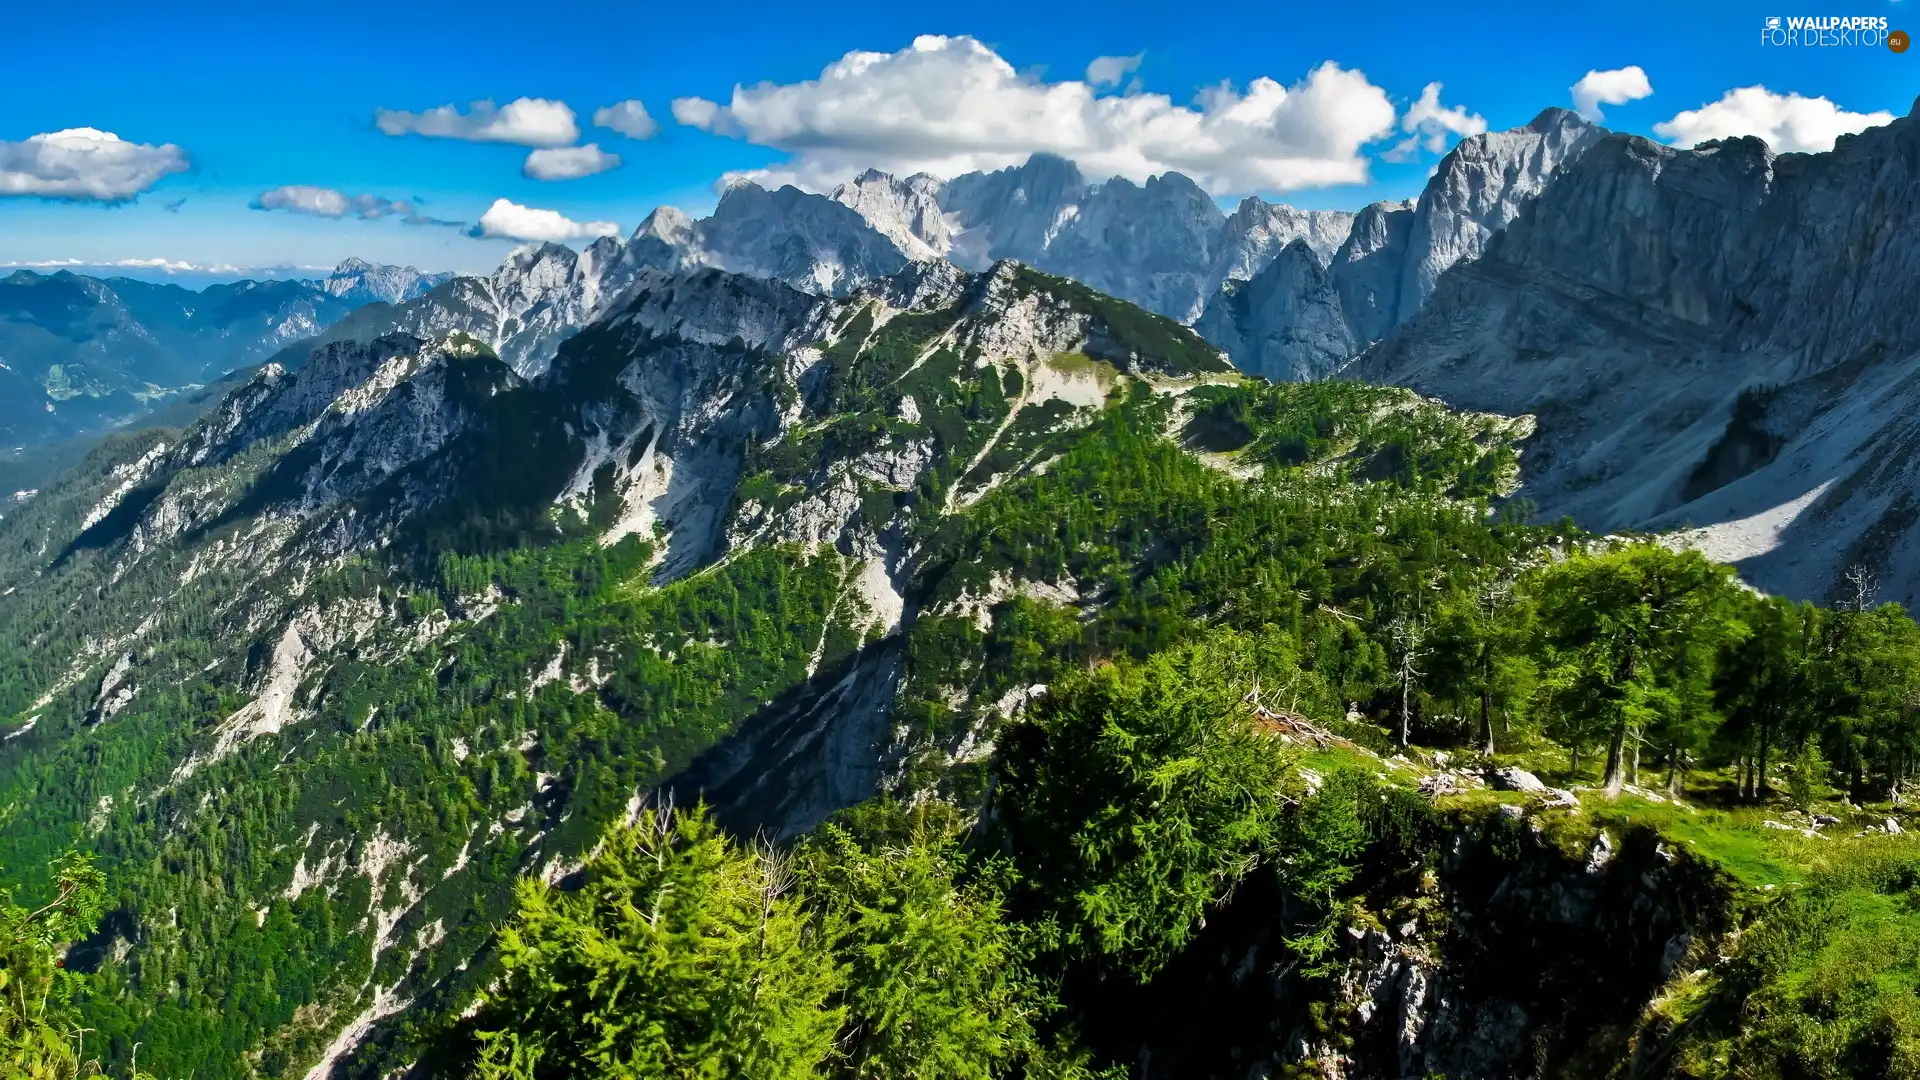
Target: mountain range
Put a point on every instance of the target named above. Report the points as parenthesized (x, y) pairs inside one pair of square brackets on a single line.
[(1718, 341), (770, 471), (79, 354), (804, 502), (1285, 293), (1757, 426)]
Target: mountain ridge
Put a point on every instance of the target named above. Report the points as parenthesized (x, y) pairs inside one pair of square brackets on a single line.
[(1757, 318)]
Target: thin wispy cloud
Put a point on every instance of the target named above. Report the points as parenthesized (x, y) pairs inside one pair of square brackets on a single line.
[(332, 203), (169, 266), (1112, 70)]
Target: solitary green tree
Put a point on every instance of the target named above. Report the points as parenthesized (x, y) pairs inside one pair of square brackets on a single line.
[(1624, 627), (1138, 794), (682, 955), (1479, 655), (933, 987)]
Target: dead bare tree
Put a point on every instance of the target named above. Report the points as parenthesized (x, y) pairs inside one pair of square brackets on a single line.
[(1863, 585), (1408, 636)]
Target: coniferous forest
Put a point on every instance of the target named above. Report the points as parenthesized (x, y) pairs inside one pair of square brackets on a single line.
[(1229, 726)]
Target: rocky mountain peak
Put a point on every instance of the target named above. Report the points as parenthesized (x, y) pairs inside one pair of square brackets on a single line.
[(1478, 189), (358, 281), (1554, 117), (1392, 254), (906, 212), (1285, 322), (1714, 338), (668, 223)]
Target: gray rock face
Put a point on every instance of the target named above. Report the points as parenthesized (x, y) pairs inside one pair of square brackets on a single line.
[(808, 241), (1284, 323), (1370, 267), (1257, 230), (1392, 253), (1715, 338), (1155, 245), (1165, 245), (1479, 188), (543, 293), (906, 212), (540, 295), (1013, 213)]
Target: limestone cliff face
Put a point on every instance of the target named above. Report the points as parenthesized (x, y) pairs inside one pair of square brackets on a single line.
[(1284, 323), (1719, 339), (1393, 253), (1479, 188)]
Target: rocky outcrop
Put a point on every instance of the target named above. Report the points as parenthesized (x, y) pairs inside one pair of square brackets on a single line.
[(1500, 953), (1716, 340)]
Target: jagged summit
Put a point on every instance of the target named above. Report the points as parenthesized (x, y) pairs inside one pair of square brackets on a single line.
[(358, 281), (1391, 254), (1555, 116), (1715, 338)]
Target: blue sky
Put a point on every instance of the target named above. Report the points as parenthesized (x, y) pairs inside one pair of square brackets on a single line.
[(260, 97)]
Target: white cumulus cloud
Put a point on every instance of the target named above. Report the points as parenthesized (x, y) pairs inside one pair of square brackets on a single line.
[(568, 162), (523, 122), (510, 221), (1615, 87), (84, 163), (1110, 70), (629, 118), (948, 105), (1428, 124), (1788, 122)]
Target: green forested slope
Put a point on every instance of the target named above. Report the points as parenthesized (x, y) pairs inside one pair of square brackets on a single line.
[(323, 681)]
